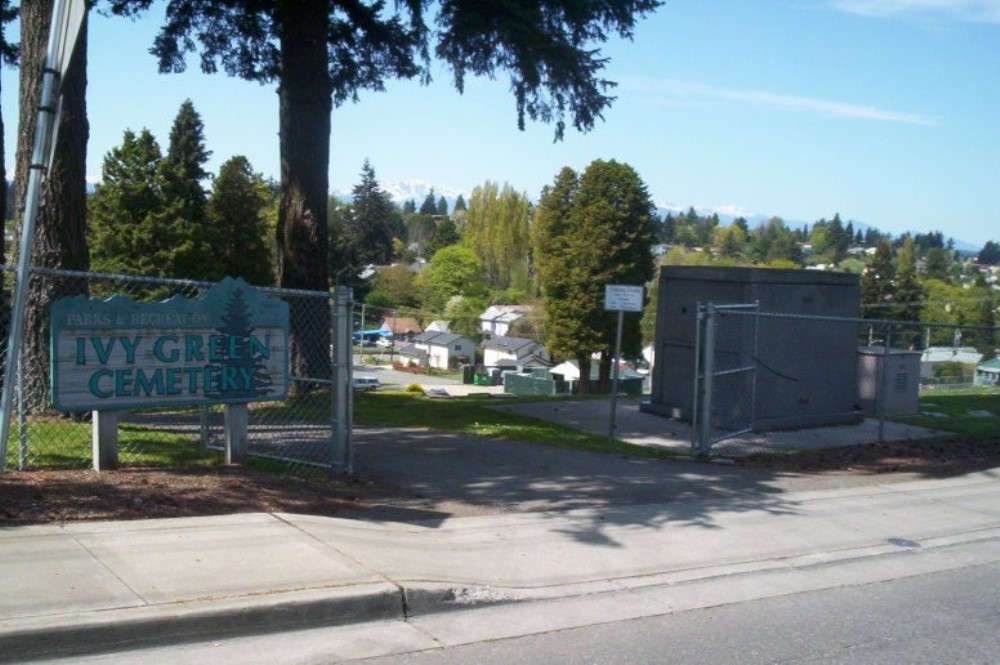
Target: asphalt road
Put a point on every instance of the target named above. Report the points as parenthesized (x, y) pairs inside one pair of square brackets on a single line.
[(950, 617)]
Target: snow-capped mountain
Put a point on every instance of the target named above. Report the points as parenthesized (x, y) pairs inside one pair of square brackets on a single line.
[(726, 213), (410, 190), (417, 191)]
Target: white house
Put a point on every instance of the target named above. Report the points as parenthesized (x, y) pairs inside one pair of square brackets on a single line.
[(497, 319), (988, 373), (438, 326), (445, 350), (514, 352), (935, 355)]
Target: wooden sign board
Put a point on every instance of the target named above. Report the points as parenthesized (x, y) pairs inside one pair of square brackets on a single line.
[(229, 346)]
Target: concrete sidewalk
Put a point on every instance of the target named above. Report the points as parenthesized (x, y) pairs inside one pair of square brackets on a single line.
[(92, 588)]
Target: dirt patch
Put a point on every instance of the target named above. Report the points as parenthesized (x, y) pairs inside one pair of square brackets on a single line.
[(58, 496), (937, 459), (55, 496)]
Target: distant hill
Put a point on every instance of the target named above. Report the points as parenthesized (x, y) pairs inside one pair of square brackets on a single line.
[(727, 214)]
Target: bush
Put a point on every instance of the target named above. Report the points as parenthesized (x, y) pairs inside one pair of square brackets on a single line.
[(415, 388)]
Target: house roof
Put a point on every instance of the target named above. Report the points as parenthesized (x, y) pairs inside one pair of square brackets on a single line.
[(494, 311), (411, 350), (516, 345), (400, 325), (941, 354), (989, 365), (438, 326), (439, 338)]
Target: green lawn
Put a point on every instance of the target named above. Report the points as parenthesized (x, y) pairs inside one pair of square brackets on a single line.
[(465, 415), (960, 412), (60, 443)]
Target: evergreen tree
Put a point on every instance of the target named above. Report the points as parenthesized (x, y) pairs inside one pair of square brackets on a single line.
[(460, 204), (186, 247), (668, 229), (374, 221), (878, 290), (910, 295), (445, 235), (126, 209), (989, 254), (591, 231), (442, 207), (429, 206), (409, 207), (237, 210), (937, 265), (774, 244)]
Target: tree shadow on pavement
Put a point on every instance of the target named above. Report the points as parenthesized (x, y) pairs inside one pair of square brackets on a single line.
[(465, 476)]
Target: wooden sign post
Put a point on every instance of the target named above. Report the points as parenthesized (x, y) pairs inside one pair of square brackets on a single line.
[(229, 347)]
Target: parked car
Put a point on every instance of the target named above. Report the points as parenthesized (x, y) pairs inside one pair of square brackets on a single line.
[(384, 342), (366, 383)]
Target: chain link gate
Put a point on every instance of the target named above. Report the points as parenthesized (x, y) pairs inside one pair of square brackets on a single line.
[(724, 364), (312, 428)]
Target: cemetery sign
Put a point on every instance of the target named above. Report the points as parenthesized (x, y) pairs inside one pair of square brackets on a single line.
[(229, 346)]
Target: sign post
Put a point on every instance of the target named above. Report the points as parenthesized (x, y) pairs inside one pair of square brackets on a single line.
[(619, 298), (67, 17)]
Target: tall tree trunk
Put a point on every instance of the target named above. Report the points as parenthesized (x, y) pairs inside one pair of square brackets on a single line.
[(60, 231), (583, 384), (306, 101), (604, 371)]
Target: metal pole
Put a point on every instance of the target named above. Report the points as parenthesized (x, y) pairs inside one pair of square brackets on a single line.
[(882, 392), (614, 389), (203, 427), (341, 389), (704, 443), (39, 162), (22, 419), (699, 326)]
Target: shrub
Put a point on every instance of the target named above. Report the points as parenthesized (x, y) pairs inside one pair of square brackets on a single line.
[(415, 388)]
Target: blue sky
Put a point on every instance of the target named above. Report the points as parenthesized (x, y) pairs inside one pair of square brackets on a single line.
[(886, 111)]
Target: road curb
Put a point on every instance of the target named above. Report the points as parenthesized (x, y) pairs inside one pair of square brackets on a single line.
[(118, 629)]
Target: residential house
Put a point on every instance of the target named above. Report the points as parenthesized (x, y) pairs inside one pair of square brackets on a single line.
[(935, 355), (445, 350), (413, 355), (438, 326), (400, 327), (514, 352), (988, 373), (570, 372), (497, 319)]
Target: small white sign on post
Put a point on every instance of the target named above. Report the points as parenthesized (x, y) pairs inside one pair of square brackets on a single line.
[(619, 298), (622, 298)]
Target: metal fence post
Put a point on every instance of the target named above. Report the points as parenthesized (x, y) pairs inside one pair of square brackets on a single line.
[(22, 418), (704, 424), (882, 392), (341, 392)]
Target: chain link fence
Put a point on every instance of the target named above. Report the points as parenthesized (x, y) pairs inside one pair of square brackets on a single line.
[(768, 382), (311, 428)]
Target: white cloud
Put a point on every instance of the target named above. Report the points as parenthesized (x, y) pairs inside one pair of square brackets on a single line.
[(976, 11), (677, 89)]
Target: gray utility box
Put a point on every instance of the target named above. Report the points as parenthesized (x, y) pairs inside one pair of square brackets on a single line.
[(805, 370), (900, 395)]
